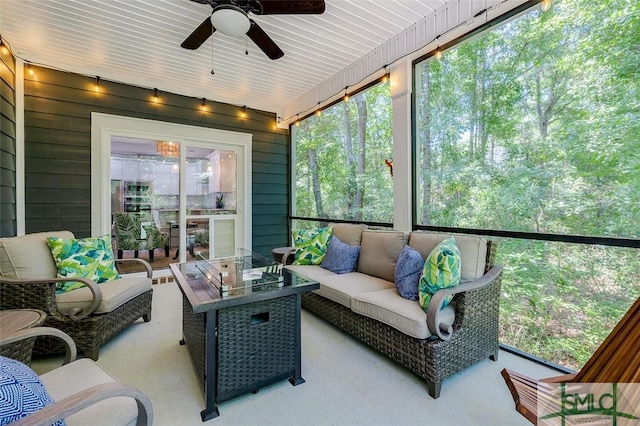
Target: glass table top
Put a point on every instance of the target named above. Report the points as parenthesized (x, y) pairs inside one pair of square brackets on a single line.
[(243, 273)]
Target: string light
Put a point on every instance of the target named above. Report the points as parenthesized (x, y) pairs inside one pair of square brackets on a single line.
[(438, 53), (97, 86), (30, 70), (155, 96), (346, 96), (243, 114), (545, 5), (203, 107), (318, 110), (3, 47)]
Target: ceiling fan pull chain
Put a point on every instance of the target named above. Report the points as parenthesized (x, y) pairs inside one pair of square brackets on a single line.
[(212, 71)]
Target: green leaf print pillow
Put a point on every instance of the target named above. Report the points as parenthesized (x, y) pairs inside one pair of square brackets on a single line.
[(441, 270), (311, 245), (90, 258)]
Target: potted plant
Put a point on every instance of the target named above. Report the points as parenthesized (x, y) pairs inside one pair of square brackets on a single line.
[(220, 201)]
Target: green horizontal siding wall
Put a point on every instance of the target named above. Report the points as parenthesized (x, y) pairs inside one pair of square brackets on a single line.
[(7, 145), (58, 107)]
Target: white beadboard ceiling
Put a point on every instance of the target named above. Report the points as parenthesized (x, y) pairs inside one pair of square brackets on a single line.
[(138, 42)]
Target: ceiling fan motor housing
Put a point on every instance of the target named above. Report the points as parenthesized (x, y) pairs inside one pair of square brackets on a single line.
[(230, 20)]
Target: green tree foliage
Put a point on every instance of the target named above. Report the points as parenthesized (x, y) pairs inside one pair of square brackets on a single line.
[(534, 127), (350, 142)]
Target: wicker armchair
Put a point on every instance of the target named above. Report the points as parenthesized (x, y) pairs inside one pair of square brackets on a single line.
[(83, 393), (91, 315), (128, 228)]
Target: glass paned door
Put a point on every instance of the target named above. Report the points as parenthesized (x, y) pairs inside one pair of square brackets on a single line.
[(211, 187), (193, 219)]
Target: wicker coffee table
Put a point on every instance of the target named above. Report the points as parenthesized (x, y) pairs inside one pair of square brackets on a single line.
[(241, 324)]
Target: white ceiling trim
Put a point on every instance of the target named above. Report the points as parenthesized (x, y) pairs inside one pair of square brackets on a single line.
[(447, 23)]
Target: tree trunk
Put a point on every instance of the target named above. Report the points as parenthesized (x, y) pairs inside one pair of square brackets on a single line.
[(425, 139), (313, 166), (361, 104), (351, 160)]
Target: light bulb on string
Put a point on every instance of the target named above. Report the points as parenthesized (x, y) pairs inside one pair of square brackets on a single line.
[(155, 96), (318, 110), (346, 96), (30, 70), (203, 107), (545, 5), (97, 85)]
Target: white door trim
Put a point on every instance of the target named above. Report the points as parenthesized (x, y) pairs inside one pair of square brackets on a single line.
[(105, 126)]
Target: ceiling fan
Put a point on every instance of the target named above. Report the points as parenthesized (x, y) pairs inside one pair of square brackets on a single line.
[(231, 17)]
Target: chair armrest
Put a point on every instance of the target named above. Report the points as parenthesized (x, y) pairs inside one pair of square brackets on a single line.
[(81, 400), (289, 257), (70, 353), (147, 265), (436, 326), (75, 313)]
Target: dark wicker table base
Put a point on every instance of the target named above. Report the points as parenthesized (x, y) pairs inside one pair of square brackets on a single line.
[(256, 344)]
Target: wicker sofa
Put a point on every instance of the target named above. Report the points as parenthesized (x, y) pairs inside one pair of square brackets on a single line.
[(366, 304)]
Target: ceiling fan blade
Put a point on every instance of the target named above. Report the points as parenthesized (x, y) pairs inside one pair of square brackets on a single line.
[(199, 35), (281, 7), (264, 42)]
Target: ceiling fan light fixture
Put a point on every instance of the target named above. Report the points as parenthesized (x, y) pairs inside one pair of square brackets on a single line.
[(230, 20)]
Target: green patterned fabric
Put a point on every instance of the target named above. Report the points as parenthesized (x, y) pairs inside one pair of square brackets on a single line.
[(128, 231), (90, 258), (441, 270), (311, 246)]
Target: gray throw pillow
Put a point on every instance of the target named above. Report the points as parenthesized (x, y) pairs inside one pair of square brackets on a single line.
[(408, 272), (341, 258)]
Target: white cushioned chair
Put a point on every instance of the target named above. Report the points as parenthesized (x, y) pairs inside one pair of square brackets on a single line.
[(91, 315), (83, 393)]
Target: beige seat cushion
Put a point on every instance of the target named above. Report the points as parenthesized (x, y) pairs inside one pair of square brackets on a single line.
[(348, 233), (114, 294), (80, 375), (313, 272), (342, 287), (388, 307), (473, 251), (29, 256), (379, 251)]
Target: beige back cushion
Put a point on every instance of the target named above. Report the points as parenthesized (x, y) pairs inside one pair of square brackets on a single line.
[(379, 251), (28, 256), (348, 233), (473, 251)]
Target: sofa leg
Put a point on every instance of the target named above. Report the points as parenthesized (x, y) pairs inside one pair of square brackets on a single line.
[(147, 317), (434, 388), (92, 353)]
